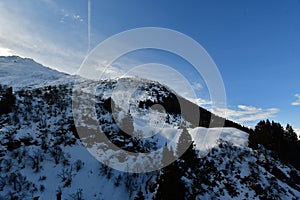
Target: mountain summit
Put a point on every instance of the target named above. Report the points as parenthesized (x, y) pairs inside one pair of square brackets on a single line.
[(25, 72)]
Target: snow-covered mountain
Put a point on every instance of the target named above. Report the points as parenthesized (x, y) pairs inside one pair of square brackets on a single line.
[(26, 73), (50, 146)]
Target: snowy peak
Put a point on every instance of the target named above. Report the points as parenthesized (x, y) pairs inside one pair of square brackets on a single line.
[(25, 72)]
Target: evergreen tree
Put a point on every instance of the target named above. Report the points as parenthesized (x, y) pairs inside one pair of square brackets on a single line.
[(283, 142), (185, 140), (170, 185), (7, 100), (168, 156), (186, 150), (290, 133)]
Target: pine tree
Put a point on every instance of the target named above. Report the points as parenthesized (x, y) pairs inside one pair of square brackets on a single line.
[(170, 185), (185, 140), (168, 156), (283, 142), (186, 150), (7, 100), (290, 133)]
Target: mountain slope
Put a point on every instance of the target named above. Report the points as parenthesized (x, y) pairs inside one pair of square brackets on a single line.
[(41, 154), (44, 156), (24, 72)]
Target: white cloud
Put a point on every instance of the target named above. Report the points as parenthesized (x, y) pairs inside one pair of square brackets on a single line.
[(297, 101), (78, 18), (201, 102), (6, 52), (67, 15), (246, 114), (22, 36)]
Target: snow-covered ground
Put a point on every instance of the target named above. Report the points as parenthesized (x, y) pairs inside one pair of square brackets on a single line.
[(207, 138), (23, 73), (50, 158)]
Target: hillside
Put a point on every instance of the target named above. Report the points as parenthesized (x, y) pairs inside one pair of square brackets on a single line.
[(26, 73), (53, 138)]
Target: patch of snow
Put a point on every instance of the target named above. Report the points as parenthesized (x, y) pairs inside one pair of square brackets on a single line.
[(207, 138)]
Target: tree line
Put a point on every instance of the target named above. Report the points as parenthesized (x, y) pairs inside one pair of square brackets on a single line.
[(282, 141)]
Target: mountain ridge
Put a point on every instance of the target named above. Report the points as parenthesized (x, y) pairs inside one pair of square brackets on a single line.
[(25, 72), (43, 157), (40, 76)]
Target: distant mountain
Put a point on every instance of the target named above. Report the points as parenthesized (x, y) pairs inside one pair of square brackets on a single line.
[(49, 143), (26, 73)]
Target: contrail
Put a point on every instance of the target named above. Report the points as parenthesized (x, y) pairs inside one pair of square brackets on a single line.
[(89, 25)]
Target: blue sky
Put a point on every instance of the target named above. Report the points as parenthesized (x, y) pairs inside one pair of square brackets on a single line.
[(255, 44)]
